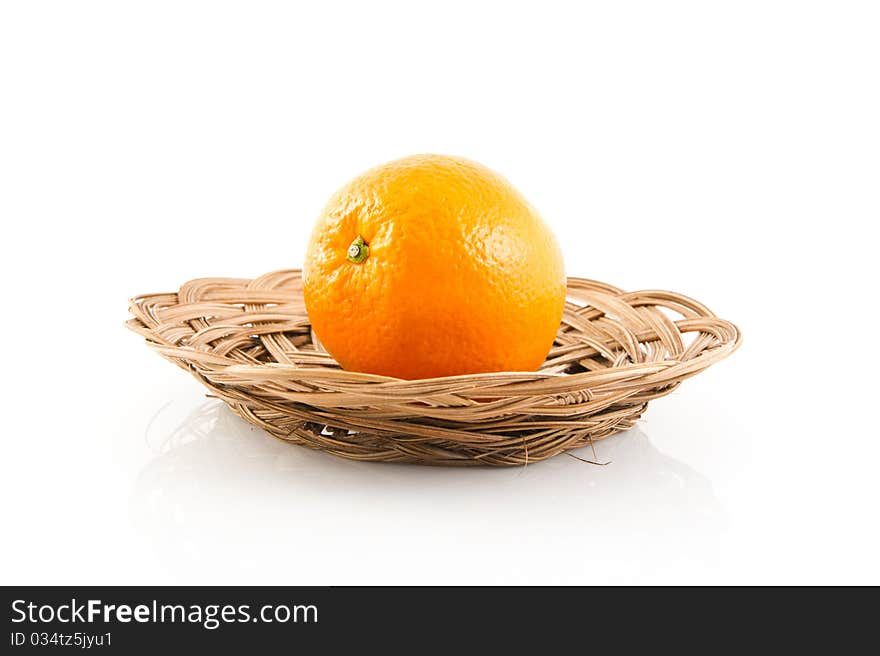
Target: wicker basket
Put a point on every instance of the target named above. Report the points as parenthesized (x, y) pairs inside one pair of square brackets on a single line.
[(250, 343)]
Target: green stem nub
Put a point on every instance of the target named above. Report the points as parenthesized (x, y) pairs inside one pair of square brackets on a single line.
[(358, 251)]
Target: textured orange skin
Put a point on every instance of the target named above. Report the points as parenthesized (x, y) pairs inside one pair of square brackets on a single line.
[(462, 277)]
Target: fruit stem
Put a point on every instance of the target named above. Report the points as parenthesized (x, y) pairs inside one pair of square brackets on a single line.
[(358, 251)]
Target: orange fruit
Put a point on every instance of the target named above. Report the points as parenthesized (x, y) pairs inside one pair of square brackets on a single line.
[(433, 266)]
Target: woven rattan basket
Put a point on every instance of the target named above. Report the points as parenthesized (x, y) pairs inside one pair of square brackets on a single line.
[(250, 343)]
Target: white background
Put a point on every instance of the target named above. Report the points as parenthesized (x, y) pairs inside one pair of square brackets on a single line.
[(729, 151)]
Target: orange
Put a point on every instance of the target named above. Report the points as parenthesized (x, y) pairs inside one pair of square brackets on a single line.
[(433, 266)]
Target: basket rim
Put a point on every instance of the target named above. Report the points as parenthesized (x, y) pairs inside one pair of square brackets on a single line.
[(508, 379)]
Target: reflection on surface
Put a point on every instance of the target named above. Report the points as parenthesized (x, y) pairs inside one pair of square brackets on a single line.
[(224, 503)]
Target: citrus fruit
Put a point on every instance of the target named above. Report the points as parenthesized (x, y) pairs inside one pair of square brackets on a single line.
[(433, 266)]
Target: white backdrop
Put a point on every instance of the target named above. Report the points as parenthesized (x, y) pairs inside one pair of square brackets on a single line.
[(728, 151)]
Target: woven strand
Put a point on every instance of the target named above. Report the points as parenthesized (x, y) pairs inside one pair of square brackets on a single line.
[(250, 343)]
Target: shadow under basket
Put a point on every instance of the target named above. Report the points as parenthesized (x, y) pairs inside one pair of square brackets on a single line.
[(250, 343)]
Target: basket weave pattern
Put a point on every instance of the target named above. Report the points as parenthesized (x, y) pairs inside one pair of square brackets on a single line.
[(250, 343)]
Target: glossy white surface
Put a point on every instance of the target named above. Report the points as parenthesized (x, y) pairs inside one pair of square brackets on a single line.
[(727, 153)]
